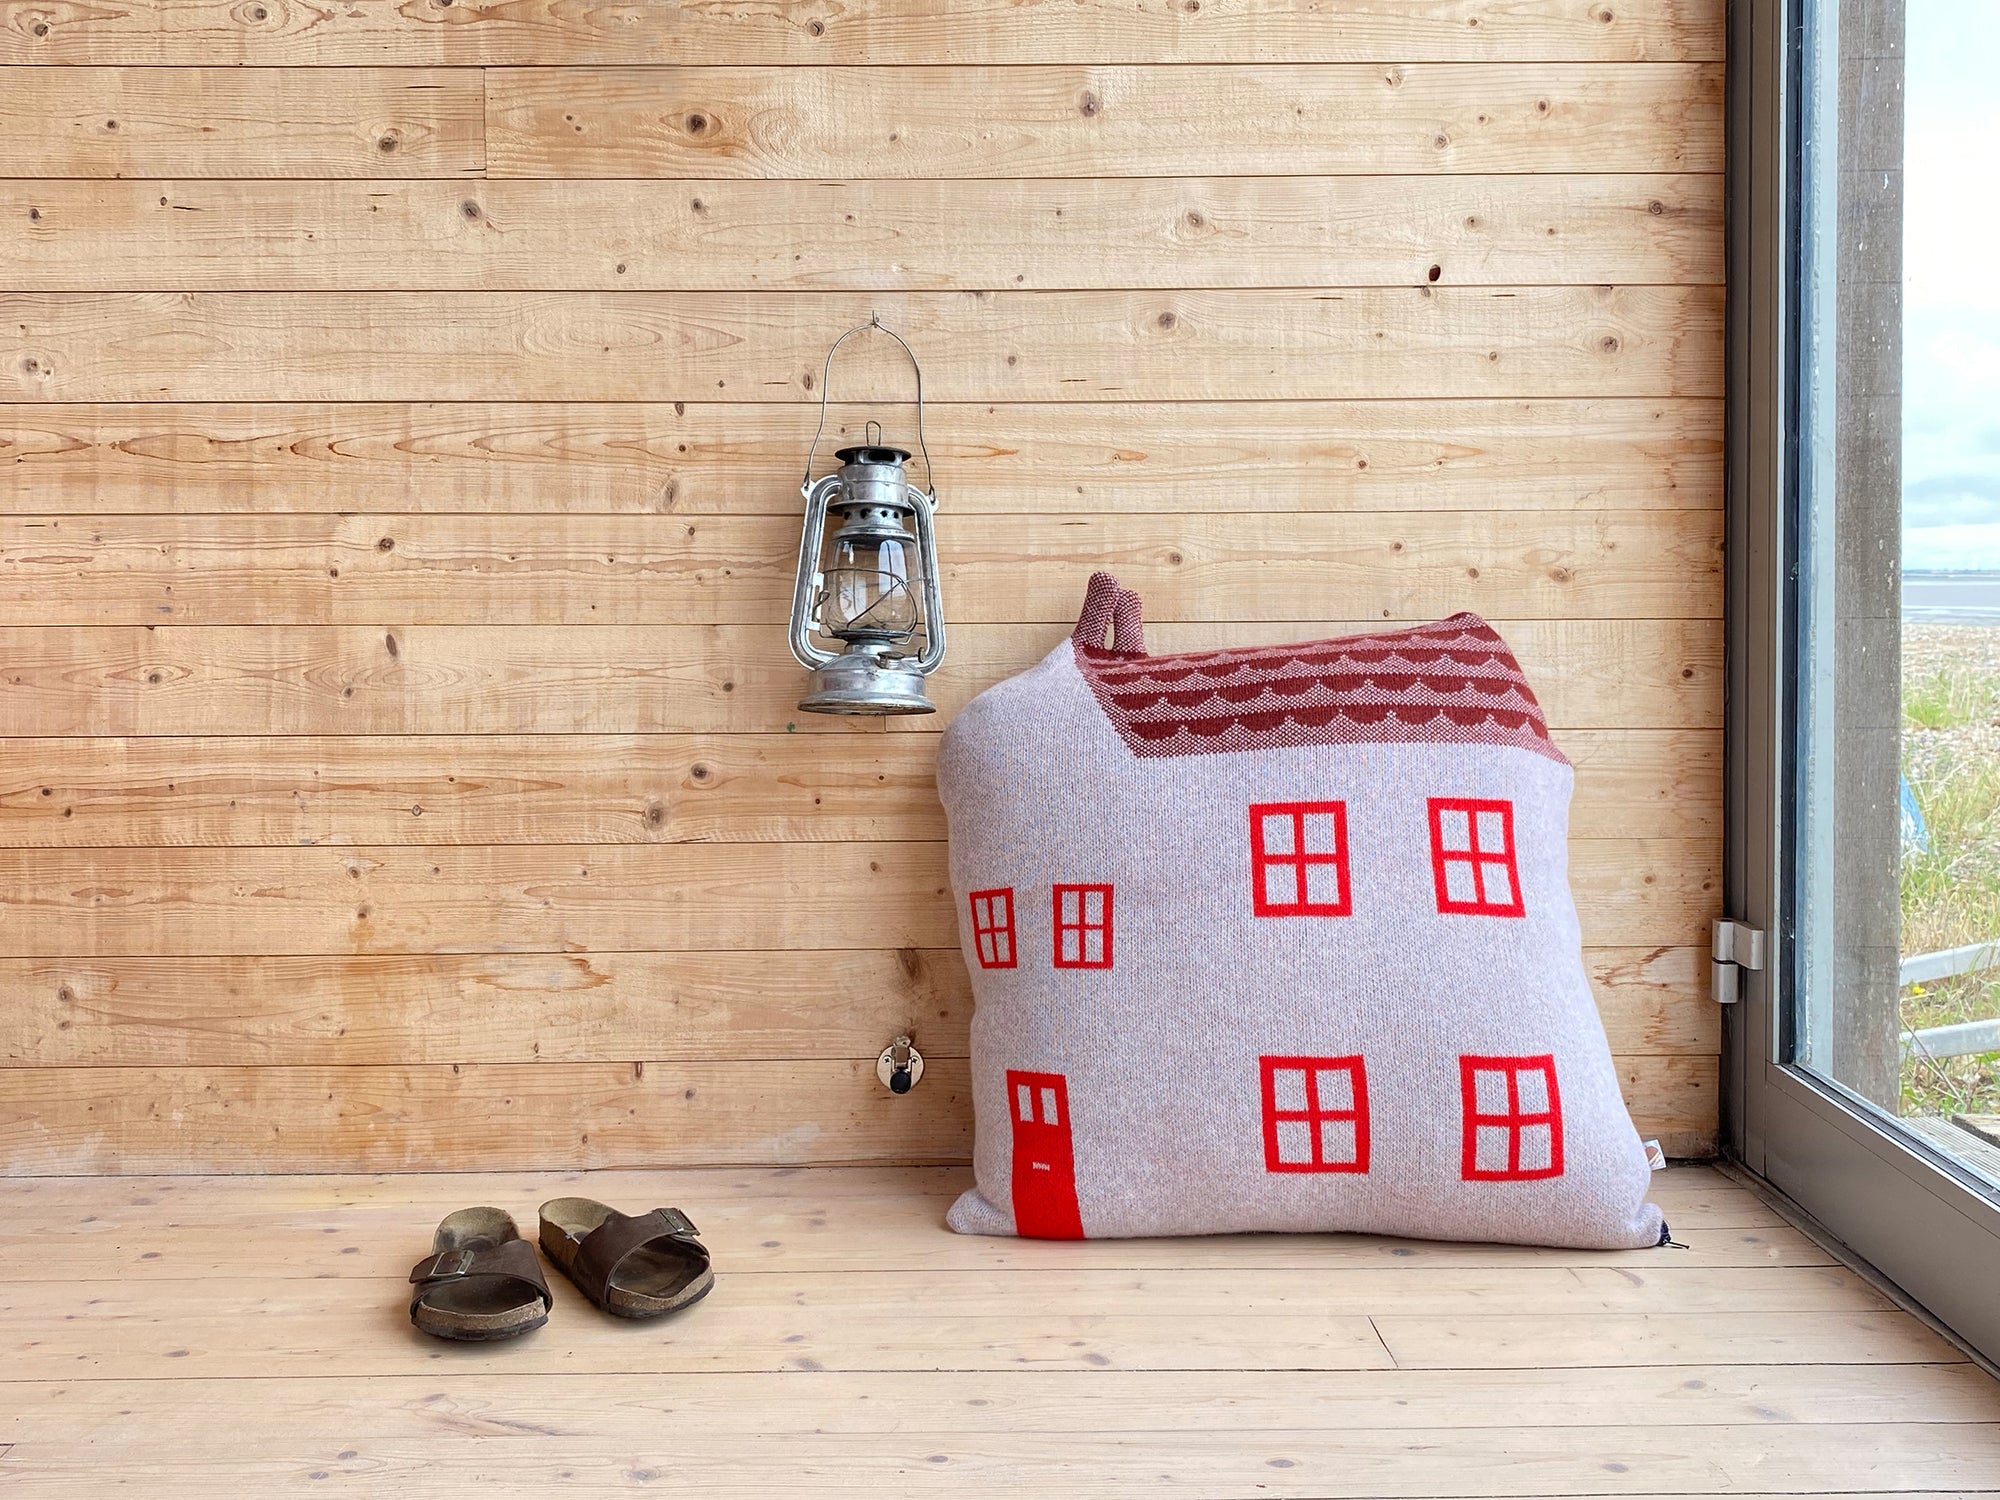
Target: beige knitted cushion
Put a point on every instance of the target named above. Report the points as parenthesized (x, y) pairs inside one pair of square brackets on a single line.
[(1279, 938)]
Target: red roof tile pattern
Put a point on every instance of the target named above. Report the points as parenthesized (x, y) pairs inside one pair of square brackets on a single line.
[(1454, 682)]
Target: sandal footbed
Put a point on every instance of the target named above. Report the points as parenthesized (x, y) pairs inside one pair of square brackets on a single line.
[(652, 1280), (480, 1308)]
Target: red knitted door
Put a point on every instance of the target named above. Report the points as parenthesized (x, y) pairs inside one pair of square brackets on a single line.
[(1044, 1167)]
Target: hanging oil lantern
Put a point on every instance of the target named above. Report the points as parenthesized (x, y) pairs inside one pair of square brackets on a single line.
[(868, 571)]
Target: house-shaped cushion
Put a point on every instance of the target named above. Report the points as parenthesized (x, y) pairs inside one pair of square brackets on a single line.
[(1279, 939)]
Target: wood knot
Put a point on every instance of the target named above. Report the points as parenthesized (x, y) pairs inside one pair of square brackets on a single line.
[(1656, 208), (1089, 105), (387, 544), (656, 814), (699, 771), (1609, 343), (470, 209), (110, 124), (1194, 219), (696, 124), (40, 28), (816, 27), (1167, 320), (1541, 106), (394, 649), (1434, 273)]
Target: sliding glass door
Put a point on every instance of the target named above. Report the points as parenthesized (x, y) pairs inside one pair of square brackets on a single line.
[(1865, 631)]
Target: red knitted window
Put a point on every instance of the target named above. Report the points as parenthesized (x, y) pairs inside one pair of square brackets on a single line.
[(1083, 927), (1472, 857), (1298, 859), (1315, 1114), (993, 927), (1513, 1119)]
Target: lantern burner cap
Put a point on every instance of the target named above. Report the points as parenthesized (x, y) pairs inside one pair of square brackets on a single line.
[(873, 454)]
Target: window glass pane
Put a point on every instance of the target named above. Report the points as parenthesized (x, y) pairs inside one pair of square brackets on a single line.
[(1294, 1140), (1454, 830), (1489, 1089), (1537, 1148), (1281, 884), (1323, 884), (1460, 884), (1894, 993), (1336, 1140), (1533, 1087), (1336, 1089), (1288, 1088)]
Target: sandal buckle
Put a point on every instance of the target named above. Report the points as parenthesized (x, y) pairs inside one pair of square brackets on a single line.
[(678, 1223), (446, 1265)]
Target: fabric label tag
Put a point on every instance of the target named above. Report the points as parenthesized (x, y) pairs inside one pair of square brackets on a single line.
[(1655, 1157)]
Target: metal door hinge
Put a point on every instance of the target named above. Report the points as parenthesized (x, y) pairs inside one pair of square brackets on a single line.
[(1732, 948)]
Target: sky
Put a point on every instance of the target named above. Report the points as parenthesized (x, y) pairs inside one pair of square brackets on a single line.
[(1951, 285)]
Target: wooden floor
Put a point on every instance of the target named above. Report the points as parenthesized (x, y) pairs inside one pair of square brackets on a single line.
[(226, 1337)]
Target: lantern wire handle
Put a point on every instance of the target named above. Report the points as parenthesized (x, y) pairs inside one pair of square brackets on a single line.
[(874, 321)]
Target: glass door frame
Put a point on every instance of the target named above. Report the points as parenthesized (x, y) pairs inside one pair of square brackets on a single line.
[(1903, 1207)]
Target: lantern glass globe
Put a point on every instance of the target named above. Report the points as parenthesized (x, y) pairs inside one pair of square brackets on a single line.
[(868, 595)]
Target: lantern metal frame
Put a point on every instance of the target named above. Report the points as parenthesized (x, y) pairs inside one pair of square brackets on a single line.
[(868, 676)]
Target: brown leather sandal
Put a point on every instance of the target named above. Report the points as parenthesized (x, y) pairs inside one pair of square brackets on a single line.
[(631, 1265), (481, 1280)]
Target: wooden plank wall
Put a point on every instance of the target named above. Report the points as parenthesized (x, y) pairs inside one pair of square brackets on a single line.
[(403, 404)]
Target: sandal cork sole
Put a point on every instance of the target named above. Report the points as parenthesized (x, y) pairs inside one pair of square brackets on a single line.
[(632, 1266), (480, 1282)]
